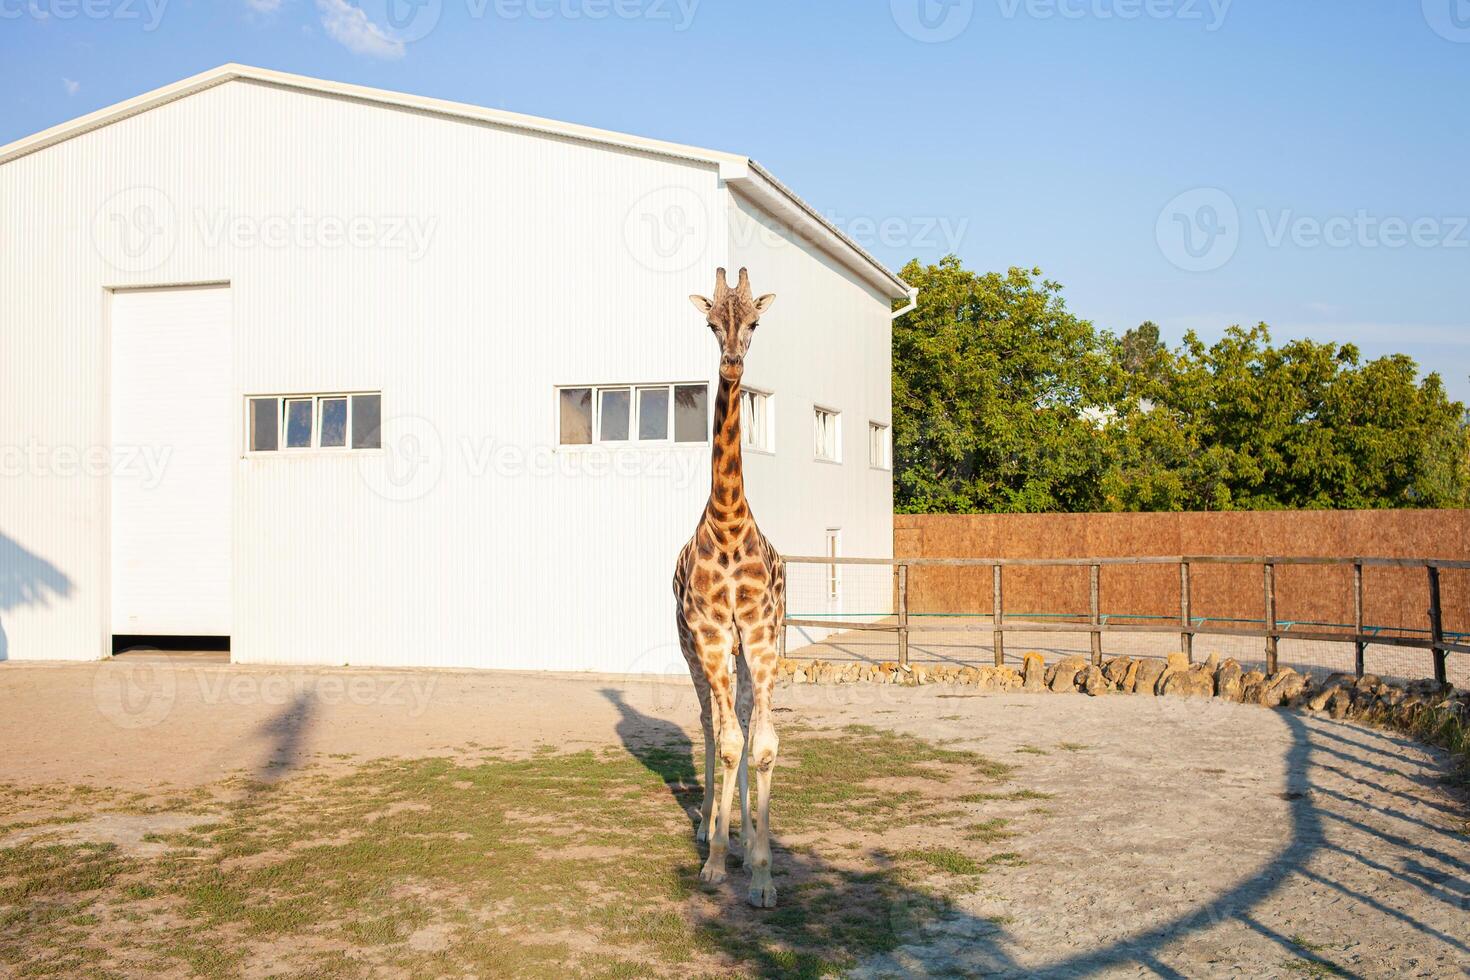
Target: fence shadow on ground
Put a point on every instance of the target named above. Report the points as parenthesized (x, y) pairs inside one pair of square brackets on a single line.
[(905, 932)]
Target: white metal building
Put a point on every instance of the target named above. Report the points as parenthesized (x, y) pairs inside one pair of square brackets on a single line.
[(350, 376)]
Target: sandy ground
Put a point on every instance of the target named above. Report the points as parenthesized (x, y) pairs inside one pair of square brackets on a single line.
[(1184, 838)]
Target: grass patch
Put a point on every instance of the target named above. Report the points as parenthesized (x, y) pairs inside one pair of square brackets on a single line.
[(1017, 795), (1032, 750), (560, 864), (1072, 746)]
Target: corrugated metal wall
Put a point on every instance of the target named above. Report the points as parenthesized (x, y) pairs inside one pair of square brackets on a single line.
[(470, 540)]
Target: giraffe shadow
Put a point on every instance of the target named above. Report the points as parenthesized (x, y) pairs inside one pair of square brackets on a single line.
[(664, 749)]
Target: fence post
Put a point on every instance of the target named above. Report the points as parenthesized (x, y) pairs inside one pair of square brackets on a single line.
[(1359, 647), (903, 616), (999, 618), (781, 637), (1186, 626), (1436, 627), (1271, 644), (1096, 576)]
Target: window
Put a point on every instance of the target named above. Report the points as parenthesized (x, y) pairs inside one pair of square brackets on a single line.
[(277, 423), (756, 421), (628, 414), (834, 571), (880, 446), (827, 433)]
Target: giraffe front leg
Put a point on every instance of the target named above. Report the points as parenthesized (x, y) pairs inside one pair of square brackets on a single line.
[(706, 808), (729, 749), (763, 746), (744, 704)]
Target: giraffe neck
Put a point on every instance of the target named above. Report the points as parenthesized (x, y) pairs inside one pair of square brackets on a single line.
[(727, 504)]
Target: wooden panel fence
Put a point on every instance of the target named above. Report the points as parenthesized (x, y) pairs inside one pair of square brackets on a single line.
[(1271, 628)]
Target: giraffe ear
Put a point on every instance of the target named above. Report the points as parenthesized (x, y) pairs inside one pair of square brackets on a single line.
[(701, 304), (764, 303)]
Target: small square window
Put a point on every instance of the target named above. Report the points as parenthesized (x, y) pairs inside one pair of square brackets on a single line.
[(691, 413), (880, 446), (653, 414), (613, 409), (576, 416), (298, 423), (755, 420), (265, 425), (827, 434), (367, 421), (332, 425)]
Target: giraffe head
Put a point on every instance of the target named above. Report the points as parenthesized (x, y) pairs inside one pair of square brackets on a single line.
[(733, 315)]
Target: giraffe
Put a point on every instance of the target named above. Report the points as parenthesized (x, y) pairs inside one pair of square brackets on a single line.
[(731, 596)]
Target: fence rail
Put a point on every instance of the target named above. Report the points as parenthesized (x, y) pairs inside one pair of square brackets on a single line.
[(1272, 630)]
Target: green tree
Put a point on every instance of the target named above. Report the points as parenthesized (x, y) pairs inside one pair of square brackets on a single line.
[(1004, 401), (996, 387)]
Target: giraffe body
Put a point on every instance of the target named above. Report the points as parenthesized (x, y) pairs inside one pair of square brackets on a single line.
[(729, 587)]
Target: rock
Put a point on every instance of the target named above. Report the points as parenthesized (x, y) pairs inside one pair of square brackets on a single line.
[(1149, 672), (1188, 684), (1213, 663), (1228, 680), (1369, 682), (1286, 683), (1319, 700), (1339, 703), (1130, 679), (799, 677), (1094, 683), (1251, 685), (920, 673), (1034, 670), (1008, 678), (1064, 675), (1116, 670)]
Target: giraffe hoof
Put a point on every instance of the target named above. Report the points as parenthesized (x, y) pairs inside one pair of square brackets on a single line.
[(701, 836), (762, 896), (712, 873)]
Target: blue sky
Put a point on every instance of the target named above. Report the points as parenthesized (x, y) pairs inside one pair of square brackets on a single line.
[(1194, 162)]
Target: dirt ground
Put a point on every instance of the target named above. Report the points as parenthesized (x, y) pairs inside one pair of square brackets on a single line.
[(1144, 836)]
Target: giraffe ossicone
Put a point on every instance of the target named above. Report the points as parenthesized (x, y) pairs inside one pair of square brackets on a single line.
[(730, 591)]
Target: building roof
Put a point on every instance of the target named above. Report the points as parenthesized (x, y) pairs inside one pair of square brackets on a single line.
[(742, 173)]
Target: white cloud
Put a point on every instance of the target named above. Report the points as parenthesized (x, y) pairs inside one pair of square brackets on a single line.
[(351, 28), (72, 87)]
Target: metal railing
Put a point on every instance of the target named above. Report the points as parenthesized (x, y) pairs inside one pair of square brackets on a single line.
[(1271, 630)]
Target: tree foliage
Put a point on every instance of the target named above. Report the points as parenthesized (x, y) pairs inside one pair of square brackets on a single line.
[(1004, 401)]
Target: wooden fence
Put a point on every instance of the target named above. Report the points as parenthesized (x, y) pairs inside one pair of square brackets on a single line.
[(1190, 625)]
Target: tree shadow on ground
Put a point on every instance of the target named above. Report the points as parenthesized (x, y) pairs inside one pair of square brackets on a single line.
[(26, 579), (878, 920)]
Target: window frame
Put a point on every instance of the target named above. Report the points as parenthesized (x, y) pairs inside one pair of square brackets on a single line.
[(764, 403), (316, 399), (836, 415), (885, 456), (635, 391)]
